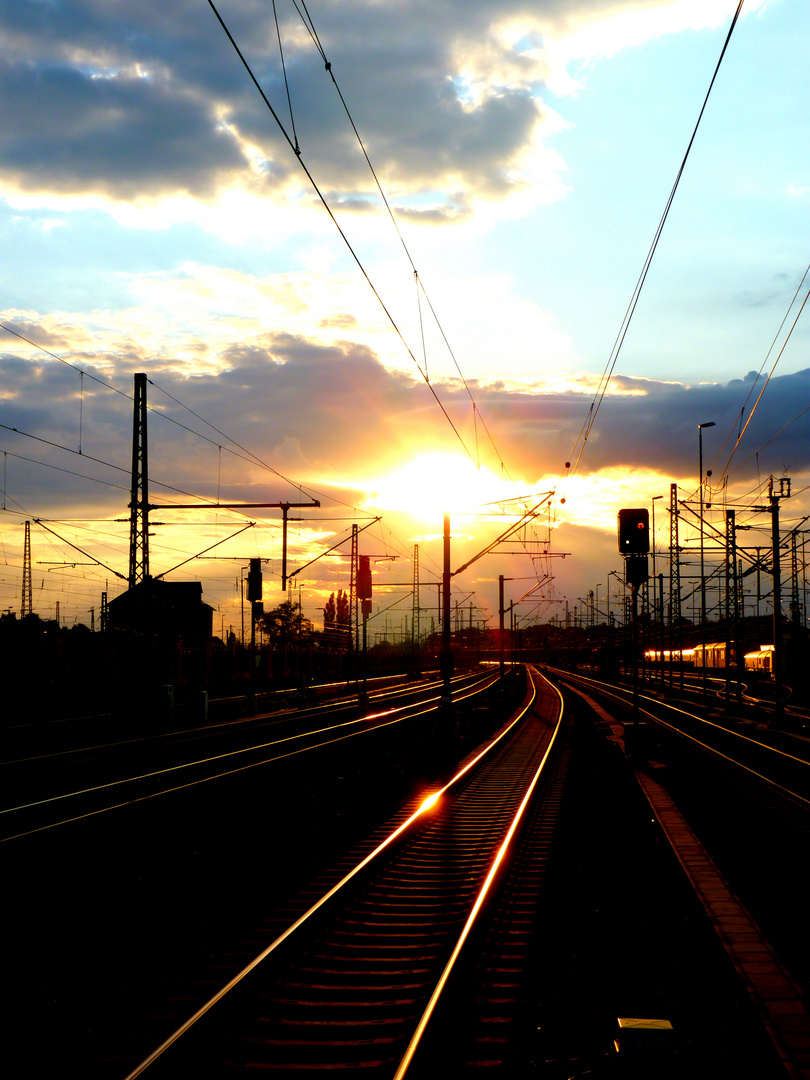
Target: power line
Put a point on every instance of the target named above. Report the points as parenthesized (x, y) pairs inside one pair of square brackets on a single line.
[(420, 284), (770, 374), (604, 382), (334, 220)]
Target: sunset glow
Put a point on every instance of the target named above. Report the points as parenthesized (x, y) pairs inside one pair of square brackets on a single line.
[(162, 224), (432, 485)]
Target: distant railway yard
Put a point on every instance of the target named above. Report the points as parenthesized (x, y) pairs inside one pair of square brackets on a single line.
[(553, 876)]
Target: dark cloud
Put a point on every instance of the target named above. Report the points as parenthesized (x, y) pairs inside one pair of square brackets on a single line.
[(659, 429), (328, 414), (125, 136), (290, 420), (127, 101)]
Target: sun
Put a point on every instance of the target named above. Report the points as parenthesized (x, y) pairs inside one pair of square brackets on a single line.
[(432, 485)]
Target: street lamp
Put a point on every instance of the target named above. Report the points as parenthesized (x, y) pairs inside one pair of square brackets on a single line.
[(710, 423)]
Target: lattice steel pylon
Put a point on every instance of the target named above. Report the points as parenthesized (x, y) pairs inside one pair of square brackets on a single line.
[(674, 559), (353, 601), (139, 501), (27, 607), (675, 635), (795, 606), (732, 592), (415, 608)]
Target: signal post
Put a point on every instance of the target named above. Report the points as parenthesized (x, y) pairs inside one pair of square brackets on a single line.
[(634, 545)]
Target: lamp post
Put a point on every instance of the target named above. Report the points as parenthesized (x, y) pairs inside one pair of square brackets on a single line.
[(710, 423)]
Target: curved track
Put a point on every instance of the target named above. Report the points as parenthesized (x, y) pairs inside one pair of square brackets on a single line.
[(780, 761), (734, 804), (354, 981)]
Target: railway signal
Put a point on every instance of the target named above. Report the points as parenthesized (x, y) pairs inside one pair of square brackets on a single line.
[(255, 580), (634, 531), (364, 583), (634, 543)]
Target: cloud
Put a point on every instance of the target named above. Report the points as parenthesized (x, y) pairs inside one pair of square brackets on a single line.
[(287, 418), (218, 279), (127, 135), (324, 411), (147, 104)]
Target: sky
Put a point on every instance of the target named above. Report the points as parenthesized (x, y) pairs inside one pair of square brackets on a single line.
[(418, 321)]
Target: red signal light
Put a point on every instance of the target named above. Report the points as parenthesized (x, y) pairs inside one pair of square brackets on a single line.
[(634, 531)]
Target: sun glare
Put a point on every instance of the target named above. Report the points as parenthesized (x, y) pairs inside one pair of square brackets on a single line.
[(432, 485)]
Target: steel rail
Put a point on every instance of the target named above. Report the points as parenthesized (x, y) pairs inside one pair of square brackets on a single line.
[(218, 757), (482, 895), (612, 692), (278, 716), (616, 691), (497, 742), (409, 712)]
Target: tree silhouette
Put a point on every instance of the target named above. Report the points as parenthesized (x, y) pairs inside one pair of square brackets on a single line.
[(337, 620), (286, 624)]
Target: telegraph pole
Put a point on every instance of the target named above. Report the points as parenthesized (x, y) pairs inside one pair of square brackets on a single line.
[(140, 506)]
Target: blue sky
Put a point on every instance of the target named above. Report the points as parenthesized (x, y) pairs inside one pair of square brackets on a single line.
[(156, 221)]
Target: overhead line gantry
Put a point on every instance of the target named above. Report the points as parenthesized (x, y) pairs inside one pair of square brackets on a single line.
[(140, 506)]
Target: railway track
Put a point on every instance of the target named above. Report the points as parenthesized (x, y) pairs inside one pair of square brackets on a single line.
[(354, 982), (735, 806), (50, 790), (206, 926), (772, 758)]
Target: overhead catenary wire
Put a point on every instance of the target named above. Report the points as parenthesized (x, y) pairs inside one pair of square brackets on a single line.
[(424, 372), (779, 355), (335, 222), (477, 417), (251, 457), (204, 503), (582, 438)]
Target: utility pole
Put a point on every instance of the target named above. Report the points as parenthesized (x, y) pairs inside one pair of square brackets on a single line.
[(795, 607), (364, 587), (710, 423)]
